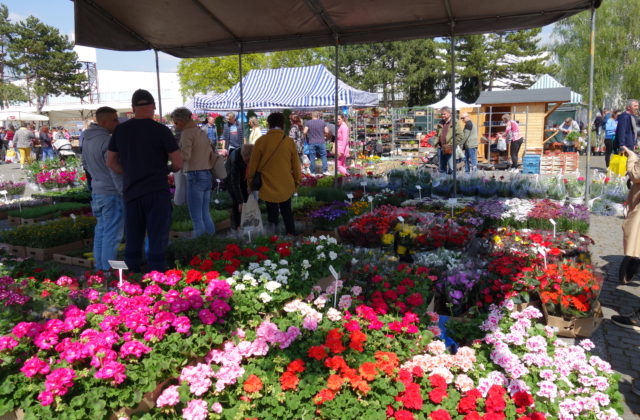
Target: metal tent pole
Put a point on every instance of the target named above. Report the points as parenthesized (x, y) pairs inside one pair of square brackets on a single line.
[(453, 110), (241, 116), (592, 53), (335, 119), (158, 82)]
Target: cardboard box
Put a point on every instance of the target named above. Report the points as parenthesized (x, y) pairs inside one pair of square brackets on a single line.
[(575, 327), (45, 254)]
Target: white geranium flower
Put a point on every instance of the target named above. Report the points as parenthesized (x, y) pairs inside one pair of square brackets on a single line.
[(319, 247), (332, 255), (321, 256), (248, 278), (272, 286), (313, 239), (231, 281), (306, 264), (334, 315), (284, 262), (265, 297), (240, 287)]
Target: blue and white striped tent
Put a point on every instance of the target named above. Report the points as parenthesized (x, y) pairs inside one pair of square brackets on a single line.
[(288, 87)]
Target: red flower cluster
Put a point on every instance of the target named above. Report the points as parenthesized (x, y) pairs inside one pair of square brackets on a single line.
[(289, 379), (450, 235), (252, 384), (570, 289), (233, 257)]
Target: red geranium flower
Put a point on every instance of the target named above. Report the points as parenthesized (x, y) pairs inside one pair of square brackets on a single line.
[(252, 384), (289, 380), (440, 415), (317, 352)]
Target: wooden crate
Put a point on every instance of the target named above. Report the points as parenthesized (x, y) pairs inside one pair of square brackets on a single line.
[(45, 254), (75, 261), (14, 220), (180, 235), (420, 113), (18, 251)]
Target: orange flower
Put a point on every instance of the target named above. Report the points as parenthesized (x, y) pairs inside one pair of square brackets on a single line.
[(335, 363), (387, 361), (357, 338), (324, 395), (252, 384), (334, 382), (368, 371), (289, 380)]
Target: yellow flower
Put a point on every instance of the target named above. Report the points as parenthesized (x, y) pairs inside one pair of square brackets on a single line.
[(497, 240), (518, 239), (387, 238), (402, 250)]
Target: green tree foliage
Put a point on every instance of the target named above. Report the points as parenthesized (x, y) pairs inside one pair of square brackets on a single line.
[(217, 74), (45, 58), (617, 52), (510, 60), (9, 93)]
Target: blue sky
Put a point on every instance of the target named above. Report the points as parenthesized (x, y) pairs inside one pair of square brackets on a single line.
[(59, 13)]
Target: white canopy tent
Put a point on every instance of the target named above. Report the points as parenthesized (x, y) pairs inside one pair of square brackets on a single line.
[(21, 116), (446, 101)]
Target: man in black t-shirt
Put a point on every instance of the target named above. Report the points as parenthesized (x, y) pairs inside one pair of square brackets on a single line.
[(140, 149)]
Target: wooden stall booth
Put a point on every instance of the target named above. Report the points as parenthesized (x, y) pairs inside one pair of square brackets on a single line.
[(529, 108)]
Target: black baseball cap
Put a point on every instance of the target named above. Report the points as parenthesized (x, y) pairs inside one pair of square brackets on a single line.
[(142, 97)]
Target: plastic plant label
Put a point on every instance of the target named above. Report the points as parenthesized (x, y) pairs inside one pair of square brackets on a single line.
[(553, 222), (452, 201), (73, 216), (4, 192), (401, 219), (364, 184), (370, 198), (334, 273), (350, 196), (573, 209), (216, 201), (418, 187), (118, 265)]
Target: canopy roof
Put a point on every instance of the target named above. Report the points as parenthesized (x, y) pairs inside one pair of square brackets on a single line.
[(287, 87), (545, 82), (199, 28), (21, 116), (524, 96), (446, 101)]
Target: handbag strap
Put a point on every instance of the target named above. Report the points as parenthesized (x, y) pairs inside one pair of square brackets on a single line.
[(273, 153)]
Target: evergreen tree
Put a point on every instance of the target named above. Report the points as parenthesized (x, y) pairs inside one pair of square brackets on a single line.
[(617, 59), (9, 93), (509, 60), (45, 58)]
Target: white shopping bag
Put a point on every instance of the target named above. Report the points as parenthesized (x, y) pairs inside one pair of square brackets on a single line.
[(251, 218), (180, 195)]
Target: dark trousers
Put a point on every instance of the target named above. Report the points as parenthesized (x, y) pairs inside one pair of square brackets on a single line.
[(515, 149), (236, 216), (284, 209), (150, 215), (608, 150)]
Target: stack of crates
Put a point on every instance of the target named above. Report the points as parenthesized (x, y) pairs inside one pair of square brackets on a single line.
[(531, 164), (551, 165), (571, 162)]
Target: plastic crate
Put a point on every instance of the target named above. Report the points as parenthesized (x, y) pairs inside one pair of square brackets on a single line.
[(531, 164)]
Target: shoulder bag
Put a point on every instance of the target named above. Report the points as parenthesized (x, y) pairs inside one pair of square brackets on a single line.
[(256, 182)]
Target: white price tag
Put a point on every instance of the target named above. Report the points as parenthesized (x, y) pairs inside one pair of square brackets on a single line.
[(350, 196), (553, 222), (401, 219), (4, 192), (452, 201), (370, 198), (364, 184), (418, 187), (118, 265), (216, 201), (73, 216), (573, 209)]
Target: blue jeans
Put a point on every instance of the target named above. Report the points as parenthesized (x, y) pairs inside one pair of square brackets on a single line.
[(322, 150), (198, 196), (47, 153), (471, 159), (109, 213), (444, 161), (148, 215)]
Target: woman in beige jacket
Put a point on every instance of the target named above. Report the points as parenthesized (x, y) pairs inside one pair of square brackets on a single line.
[(196, 153)]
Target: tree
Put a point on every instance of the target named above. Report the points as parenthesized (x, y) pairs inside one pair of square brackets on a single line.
[(617, 54), (217, 74), (45, 58), (508, 60), (9, 93)]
